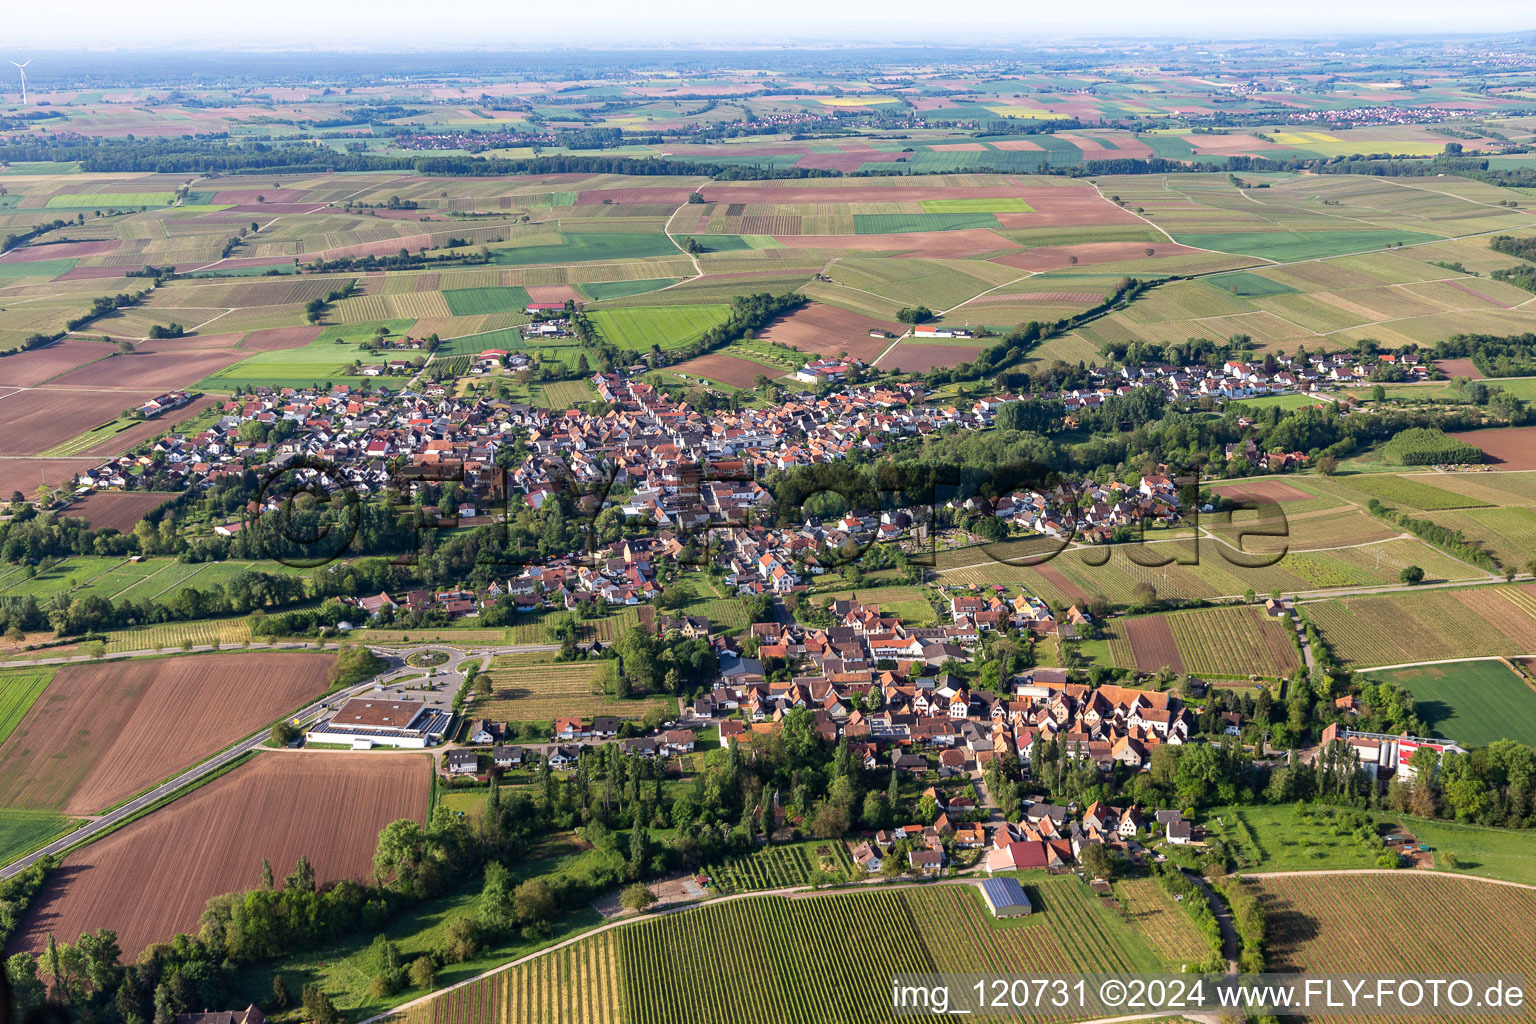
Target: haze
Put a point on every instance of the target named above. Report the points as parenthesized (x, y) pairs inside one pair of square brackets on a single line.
[(484, 23)]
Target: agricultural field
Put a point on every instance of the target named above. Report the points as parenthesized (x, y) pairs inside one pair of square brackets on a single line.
[(910, 604), (200, 846), (21, 832), (1431, 625), (1332, 923), (1471, 702), (101, 733), (1404, 490), (1509, 448), (18, 692), (781, 866), (639, 328), (576, 984), (524, 692), (937, 927), (1168, 929)]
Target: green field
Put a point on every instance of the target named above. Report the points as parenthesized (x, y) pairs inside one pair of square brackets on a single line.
[(1407, 491), (584, 248), (475, 301), (17, 692), (1471, 702), (889, 223), (1284, 246), (1244, 284), (907, 603), (640, 327), (329, 357), (109, 200), (21, 831), (36, 268), (620, 289), (1000, 205), (1286, 402)]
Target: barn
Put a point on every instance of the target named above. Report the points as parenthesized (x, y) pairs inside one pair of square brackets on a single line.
[(1005, 897)]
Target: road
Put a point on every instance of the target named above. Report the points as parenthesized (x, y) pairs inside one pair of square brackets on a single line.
[(457, 656), (1229, 941)]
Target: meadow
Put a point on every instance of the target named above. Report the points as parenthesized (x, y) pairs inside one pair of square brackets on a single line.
[(640, 328), (1471, 702), (537, 689)]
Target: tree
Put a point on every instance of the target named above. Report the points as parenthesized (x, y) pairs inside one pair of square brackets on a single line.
[(318, 1008), (279, 994), (1099, 861), (637, 897), (423, 972), (1411, 575), (461, 939), (534, 901), (1327, 465)]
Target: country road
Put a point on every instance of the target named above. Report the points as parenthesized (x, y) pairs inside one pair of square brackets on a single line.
[(457, 656)]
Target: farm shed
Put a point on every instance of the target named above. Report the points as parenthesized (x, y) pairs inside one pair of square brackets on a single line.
[(1005, 897)]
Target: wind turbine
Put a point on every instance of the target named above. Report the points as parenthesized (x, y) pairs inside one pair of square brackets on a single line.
[(22, 68)]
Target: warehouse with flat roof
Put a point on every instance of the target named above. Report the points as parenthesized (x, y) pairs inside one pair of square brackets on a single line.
[(373, 721)]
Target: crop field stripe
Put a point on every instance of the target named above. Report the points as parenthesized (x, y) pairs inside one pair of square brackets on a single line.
[(18, 692)]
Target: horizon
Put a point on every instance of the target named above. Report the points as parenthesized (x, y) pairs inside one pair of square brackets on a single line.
[(676, 25)]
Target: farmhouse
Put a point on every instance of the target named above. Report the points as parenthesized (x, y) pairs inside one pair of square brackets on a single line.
[(1005, 897), (372, 721)]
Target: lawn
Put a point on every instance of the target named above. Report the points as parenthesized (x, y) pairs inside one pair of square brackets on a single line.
[(1471, 702), (1300, 245), (640, 327), (1491, 852), (526, 690)]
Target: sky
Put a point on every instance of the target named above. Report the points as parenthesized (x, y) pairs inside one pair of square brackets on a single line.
[(497, 23)]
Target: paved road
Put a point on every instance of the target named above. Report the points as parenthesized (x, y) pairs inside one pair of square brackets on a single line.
[(457, 656)]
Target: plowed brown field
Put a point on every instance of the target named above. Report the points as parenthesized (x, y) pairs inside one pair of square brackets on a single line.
[(151, 879), (731, 370), (1508, 447), (828, 330), (909, 357), (31, 422), (101, 733), (120, 510), (1259, 491), (25, 369), (151, 369), (1152, 643)]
